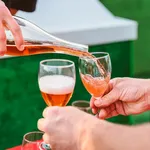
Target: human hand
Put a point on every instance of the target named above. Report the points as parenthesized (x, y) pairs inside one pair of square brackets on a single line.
[(7, 21), (65, 127), (124, 96)]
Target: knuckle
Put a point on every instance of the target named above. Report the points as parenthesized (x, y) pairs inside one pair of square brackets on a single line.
[(51, 111), (55, 110), (70, 109)]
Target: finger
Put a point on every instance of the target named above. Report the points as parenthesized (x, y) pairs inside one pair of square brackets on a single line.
[(16, 31), (110, 87), (45, 112), (105, 112), (92, 102), (111, 84), (42, 125), (2, 40), (46, 138), (51, 111), (94, 108), (120, 108), (50, 142), (107, 99), (112, 114)]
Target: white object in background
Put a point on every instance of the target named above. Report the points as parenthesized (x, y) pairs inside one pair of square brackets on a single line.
[(57, 16), (81, 21)]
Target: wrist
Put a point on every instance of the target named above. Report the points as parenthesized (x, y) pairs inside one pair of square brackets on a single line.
[(87, 128), (93, 134)]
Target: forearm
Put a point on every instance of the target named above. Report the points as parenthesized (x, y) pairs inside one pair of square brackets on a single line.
[(127, 138), (107, 136), (142, 136), (93, 135)]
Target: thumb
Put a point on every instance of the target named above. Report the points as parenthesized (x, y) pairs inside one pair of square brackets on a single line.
[(107, 99)]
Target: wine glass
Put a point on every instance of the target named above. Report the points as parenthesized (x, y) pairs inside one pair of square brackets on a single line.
[(33, 141), (82, 105), (95, 73), (56, 81)]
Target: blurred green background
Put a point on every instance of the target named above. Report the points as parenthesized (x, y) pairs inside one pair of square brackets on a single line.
[(21, 104), (137, 10)]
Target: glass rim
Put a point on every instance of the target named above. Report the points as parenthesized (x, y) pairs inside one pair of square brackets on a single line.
[(32, 132), (55, 60), (106, 54), (81, 101)]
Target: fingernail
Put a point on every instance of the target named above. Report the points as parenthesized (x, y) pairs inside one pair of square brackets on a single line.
[(98, 102), (21, 48)]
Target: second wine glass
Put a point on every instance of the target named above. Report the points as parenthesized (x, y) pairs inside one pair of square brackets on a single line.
[(95, 73)]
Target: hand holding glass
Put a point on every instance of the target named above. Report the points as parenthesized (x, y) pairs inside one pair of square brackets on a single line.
[(56, 82)]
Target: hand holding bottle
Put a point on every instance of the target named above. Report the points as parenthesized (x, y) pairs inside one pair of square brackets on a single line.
[(8, 22)]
